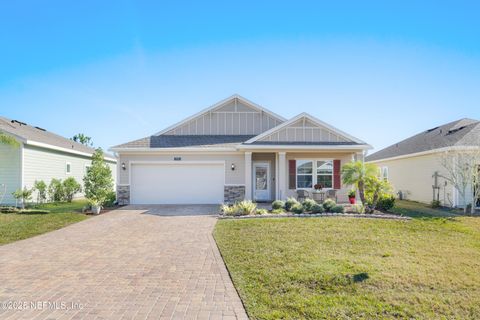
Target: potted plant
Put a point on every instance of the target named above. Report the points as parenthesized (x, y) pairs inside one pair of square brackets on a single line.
[(96, 206), (318, 187), (351, 196)]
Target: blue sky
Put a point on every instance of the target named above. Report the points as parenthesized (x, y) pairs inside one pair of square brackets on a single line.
[(121, 70)]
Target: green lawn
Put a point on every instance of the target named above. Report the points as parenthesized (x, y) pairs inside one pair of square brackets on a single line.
[(344, 268), (15, 227)]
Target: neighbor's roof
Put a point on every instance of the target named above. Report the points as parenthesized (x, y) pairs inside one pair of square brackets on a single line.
[(174, 141), (464, 132), (29, 133)]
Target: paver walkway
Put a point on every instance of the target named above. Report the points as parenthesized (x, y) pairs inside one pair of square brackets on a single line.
[(121, 265)]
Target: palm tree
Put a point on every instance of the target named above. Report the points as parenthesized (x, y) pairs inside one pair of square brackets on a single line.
[(357, 173), (8, 140)]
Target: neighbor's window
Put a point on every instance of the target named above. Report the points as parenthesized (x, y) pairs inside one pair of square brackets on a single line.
[(304, 174), (68, 168), (325, 173), (385, 173)]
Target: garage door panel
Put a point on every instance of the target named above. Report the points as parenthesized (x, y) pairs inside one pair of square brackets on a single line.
[(183, 183)]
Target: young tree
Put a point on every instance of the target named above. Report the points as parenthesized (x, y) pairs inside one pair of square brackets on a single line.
[(70, 188), (23, 195), (41, 188), (83, 139), (98, 181), (462, 171), (357, 173)]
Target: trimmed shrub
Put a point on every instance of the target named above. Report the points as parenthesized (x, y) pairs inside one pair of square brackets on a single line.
[(317, 208), (228, 210), (338, 209), (297, 208), (9, 210), (55, 190), (278, 204), (110, 200), (290, 203), (329, 204), (261, 211), (278, 211), (70, 188), (308, 204), (246, 208), (386, 202)]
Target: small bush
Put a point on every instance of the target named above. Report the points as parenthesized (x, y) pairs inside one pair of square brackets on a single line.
[(290, 203), (297, 208), (317, 208), (228, 210), (278, 211), (278, 204), (386, 202), (41, 188), (70, 188), (329, 204), (261, 211), (55, 190), (308, 204), (435, 204), (338, 209), (357, 208), (110, 200)]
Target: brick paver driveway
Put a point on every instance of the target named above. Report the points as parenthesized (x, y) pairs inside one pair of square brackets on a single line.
[(125, 264)]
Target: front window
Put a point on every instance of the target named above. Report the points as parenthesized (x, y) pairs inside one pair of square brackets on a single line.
[(68, 168), (385, 173), (304, 174), (325, 173)]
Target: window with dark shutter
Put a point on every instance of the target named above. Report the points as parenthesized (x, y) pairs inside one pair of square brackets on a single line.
[(292, 174)]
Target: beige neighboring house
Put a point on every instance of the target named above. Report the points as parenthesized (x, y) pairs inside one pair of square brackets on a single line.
[(413, 166), (41, 155), (231, 151)]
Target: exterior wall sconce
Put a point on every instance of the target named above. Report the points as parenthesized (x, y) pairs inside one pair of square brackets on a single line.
[(124, 167), (233, 166)]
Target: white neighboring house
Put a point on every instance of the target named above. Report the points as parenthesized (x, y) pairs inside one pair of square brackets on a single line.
[(410, 165), (42, 155), (231, 151)]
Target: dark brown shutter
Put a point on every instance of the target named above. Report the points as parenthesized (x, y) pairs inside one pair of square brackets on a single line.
[(292, 174), (337, 179)]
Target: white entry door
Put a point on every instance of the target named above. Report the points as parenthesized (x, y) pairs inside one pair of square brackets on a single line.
[(261, 181)]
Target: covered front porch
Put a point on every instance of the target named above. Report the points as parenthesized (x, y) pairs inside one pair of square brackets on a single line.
[(278, 174)]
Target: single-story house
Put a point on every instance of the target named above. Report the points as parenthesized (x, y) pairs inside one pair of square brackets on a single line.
[(41, 155), (414, 166), (231, 151)]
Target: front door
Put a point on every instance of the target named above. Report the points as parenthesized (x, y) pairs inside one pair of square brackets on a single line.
[(261, 181)]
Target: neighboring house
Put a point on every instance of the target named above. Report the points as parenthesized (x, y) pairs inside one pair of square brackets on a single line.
[(42, 155), (231, 151), (414, 166)]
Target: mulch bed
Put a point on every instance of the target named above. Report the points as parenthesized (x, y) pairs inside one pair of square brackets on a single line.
[(322, 215)]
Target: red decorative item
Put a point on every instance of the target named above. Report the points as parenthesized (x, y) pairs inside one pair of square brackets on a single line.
[(318, 186), (352, 200)]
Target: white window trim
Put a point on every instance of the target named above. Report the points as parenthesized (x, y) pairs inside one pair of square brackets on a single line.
[(385, 170), (314, 173), (67, 165)]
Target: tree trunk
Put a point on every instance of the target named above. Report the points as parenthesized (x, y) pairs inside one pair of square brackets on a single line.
[(361, 192)]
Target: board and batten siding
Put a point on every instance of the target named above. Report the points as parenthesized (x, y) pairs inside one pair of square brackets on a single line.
[(233, 118), (44, 164), (232, 177), (304, 131), (10, 172)]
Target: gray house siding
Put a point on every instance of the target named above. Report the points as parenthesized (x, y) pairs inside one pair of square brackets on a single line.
[(10, 172)]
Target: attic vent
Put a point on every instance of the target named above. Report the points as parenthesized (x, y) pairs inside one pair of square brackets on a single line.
[(433, 129), (19, 122), (41, 129), (455, 130)]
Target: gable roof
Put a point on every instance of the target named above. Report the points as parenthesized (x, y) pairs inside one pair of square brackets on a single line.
[(461, 133), (40, 137), (350, 139), (249, 103)]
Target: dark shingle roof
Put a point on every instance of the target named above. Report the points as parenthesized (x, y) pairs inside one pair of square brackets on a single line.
[(28, 132), (464, 132), (178, 141)]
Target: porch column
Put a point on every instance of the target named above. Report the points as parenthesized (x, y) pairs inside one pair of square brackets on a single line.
[(282, 173), (248, 176)]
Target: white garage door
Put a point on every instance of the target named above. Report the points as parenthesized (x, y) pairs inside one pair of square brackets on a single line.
[(177, 183)]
